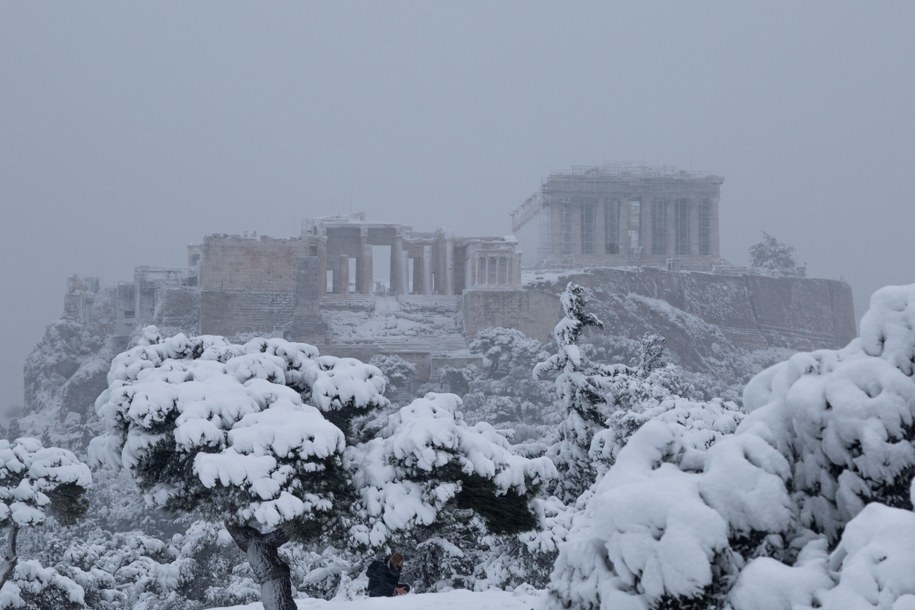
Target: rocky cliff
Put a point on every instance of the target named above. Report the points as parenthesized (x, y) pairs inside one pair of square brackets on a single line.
[(706, 318)]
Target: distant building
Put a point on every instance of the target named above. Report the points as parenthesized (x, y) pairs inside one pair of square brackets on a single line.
[(621, 215)]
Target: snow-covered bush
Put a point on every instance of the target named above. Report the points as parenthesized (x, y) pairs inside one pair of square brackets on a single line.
[(225, 429), (35, 587), (399, 374), (128, 570), (823, 462), (37, 483)]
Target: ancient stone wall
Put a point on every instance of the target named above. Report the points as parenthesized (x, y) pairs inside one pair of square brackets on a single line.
[(241, 263), (230, 312), (533, 312), (178, 309)]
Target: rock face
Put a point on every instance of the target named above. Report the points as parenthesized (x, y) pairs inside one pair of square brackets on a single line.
[(700, 314), (64, 374)]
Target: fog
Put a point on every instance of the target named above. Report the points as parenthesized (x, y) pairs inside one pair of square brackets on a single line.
[(128, 131)]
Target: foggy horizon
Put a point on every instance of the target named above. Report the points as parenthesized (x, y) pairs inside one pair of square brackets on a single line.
[(129, 132)]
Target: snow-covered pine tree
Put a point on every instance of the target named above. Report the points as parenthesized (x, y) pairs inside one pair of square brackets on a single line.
[(581, 388), (594, 395), (37, 482), (225, 429)]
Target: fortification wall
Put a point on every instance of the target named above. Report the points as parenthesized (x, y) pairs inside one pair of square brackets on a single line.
[(241, 263), (230, 312), (178, 309)]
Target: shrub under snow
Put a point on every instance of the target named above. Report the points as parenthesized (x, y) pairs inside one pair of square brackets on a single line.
[(808, 504)]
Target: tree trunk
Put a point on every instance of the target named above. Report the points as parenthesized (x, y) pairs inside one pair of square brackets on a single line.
[(8, 565), (269, 568)]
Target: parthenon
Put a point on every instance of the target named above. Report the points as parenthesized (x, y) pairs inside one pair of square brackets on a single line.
[(621, 215)]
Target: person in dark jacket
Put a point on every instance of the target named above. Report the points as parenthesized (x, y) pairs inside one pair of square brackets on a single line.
[(384, 576)]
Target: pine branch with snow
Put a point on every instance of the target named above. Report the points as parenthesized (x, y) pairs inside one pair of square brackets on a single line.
[(36, 483)]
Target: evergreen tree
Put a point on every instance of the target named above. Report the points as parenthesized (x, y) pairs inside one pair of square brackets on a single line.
[(773, 256), (584, 390), (203, 424)]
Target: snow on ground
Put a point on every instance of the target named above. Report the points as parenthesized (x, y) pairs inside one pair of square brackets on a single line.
[(450, 600)]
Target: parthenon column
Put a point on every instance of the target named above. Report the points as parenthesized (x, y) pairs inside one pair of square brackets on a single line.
[(671, 227), (645, 226), (693, 227), (714, 230), (427, 269), (449, 267)]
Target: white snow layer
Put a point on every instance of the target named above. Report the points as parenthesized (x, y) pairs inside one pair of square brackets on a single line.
[(450, 600), (826, 450)]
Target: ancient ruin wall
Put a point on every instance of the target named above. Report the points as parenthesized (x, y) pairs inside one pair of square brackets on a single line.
[(241, 263), (247, 285), (231, 312), (178, 310), (533, 312)]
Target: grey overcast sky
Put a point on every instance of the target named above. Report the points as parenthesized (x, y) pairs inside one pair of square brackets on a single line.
[(128, 130)]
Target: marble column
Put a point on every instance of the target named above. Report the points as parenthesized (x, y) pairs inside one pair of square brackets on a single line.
[(364, 275), (427, 270), (449, 267), (341, 275)]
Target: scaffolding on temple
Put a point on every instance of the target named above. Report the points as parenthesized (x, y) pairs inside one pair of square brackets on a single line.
[(623, 213)]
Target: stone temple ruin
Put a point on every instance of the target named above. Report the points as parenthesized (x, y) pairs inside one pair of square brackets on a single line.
[(621, 215), (353, 287)]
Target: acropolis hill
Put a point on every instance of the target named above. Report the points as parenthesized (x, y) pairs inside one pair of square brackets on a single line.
[(645, 240)]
